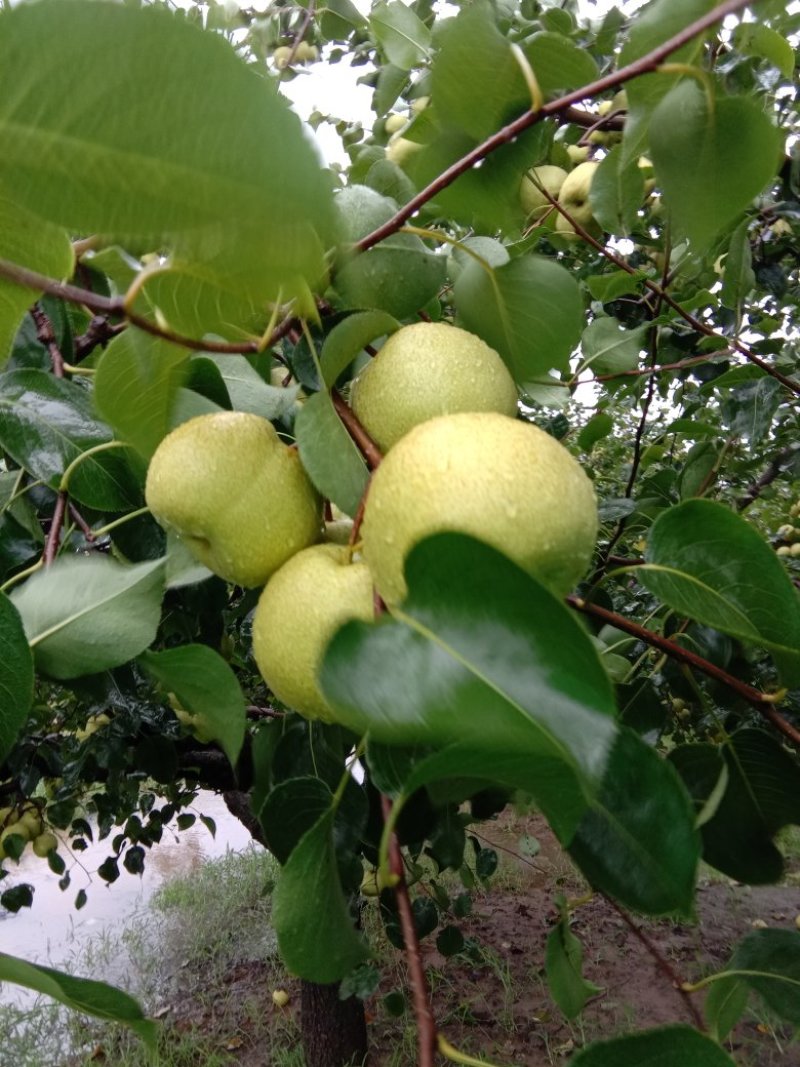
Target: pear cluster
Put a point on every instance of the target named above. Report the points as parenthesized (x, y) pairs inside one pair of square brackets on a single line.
[(25, 822), (442, 407)]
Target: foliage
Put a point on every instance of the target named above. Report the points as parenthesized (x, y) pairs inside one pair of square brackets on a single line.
[(189, 252)]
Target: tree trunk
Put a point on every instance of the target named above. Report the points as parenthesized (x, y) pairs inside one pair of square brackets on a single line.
[(333, 1031)]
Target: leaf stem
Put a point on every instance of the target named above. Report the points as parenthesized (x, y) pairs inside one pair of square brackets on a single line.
[(103, 530), (93, 451)]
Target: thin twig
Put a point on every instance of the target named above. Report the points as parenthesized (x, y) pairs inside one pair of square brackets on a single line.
[(370, 451), (662, 962), (426, 1026), (46, 336), (767, 477), (762, 701), (645, 65), (82, 524), (54, 533)]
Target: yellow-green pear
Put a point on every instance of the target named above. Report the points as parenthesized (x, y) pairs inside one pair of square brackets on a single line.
[(302, 606), (574, 198), (236, 495), (280, 57), (306, 52), (394, 123), (400, 150), (44, 844), (429, 369), (503, 481), (534, 202), (578, 153)]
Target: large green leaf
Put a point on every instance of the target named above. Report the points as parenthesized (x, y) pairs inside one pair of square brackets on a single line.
[(483, 656), (87, 615), (761, 795), (711, 158), (81, 994), (668, 1046), (136, 385), (16, 676), (528, 309), (249, 392), (33, 243), (767, 961), (558, 63), (206, 687), (316, 935), (609, 348), (290, 811), (710, 564), (214, 168), (348, 339), (401, 34), (638, 841), (494, 90), (47, 423), (329, 454)]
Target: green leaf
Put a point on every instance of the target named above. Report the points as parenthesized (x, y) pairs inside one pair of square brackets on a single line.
[(329, 454), (30, 242), (668, 1046), (756, 39), (607, 287), (391, 82), (529, 310), (710, 159), (480, 641), (710, 564), (206, 686), (404, 38), (749, 408), (563, 964), (598, 427), (739, 277), (136, 386), (16, 676), (289, 811), (724, 1006), (616, 193), (87, 615), (769, 962), (495, 90), (214, 192), (637, 842), (46, 424), (315, 931), (81, 994), (558, 63), (609, 348), (249, 392), (761, 795), (339, 19), (399, 276), (348, 339)]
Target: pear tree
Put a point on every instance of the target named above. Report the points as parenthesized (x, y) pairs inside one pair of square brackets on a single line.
[(377, 492)]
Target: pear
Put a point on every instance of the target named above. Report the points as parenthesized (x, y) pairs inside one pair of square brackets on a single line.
[(429, 369), (43, 844), (578, 153), (574, 197), (299, 611), (395, 122), (401, 150), (235, 494), (503, 481), (534, 202)]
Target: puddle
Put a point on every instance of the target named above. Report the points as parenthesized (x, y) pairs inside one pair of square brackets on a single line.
[(52, 932)]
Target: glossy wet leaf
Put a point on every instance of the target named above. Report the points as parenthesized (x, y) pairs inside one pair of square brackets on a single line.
[(329, 454), (708, 563), (87, 615), (206, 686), (81, 994), (16, 676)]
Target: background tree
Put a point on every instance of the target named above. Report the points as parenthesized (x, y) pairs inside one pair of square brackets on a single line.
[(189, 254)]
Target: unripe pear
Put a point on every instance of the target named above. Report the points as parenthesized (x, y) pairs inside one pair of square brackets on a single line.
[(429, 369), (574, 198), (44, 844), (578, 153), (236, 495), (503, 481), (401, 150), (301, 608), (280, 57), (394, 123), (534, 202), (306, 52)]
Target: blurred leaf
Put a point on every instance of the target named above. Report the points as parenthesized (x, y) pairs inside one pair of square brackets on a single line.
[(750, 408), (46, 424), (710, 564), (563, 963), (136, 385), (289, 811), (711, 163), (598, 427), (529, 310), (667, 1046), (724, 1006), (769, 962), (348, 339), (609, 348), (761, 796), (617, 192), (206, 686), (316, 935), (30, 242), (16, 676), (450, 941), (403, 37), (329, 454), (738, 278), (559, 63), (82, 616), (754, 38), (81, 994)]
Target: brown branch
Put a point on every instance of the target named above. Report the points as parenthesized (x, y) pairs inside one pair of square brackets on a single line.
[(767, 477), (298, 37), (46, 336), (662, 963), (99, 332), (255, 712), (645, 65), (54, 533), (426, 1026), (759, 700), (370, 451), (82, 524), (638, 372)]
